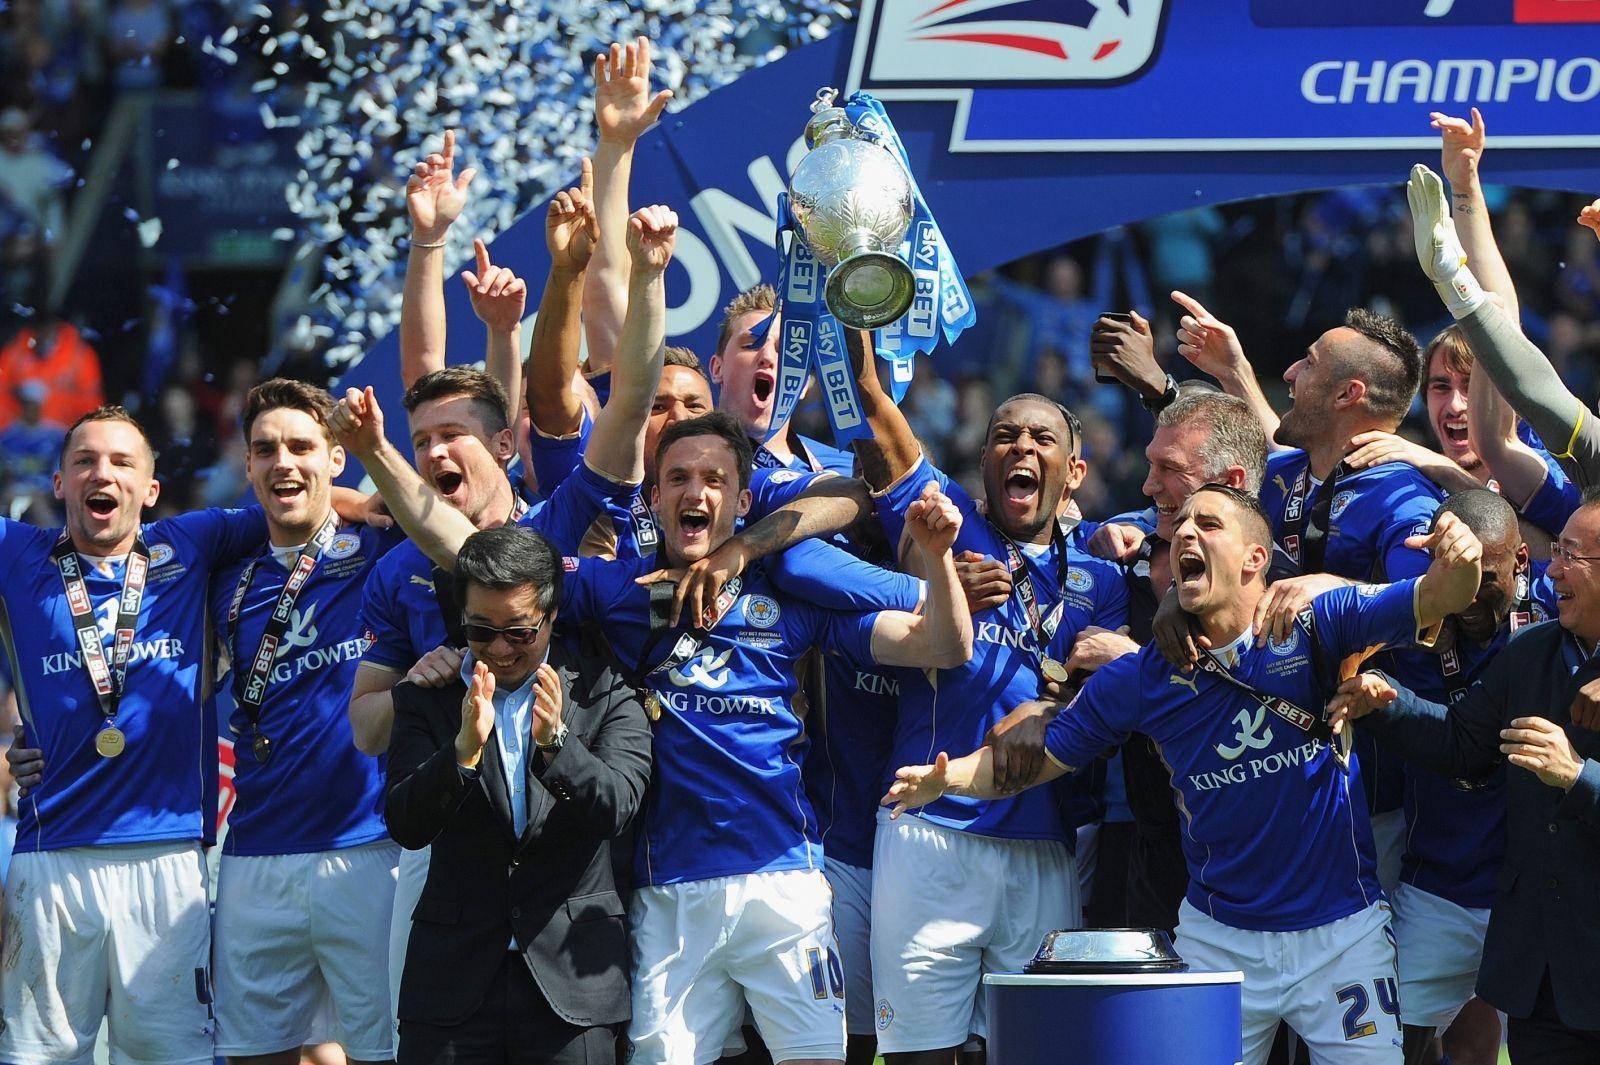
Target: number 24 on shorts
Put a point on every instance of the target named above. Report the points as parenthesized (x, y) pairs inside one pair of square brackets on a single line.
[(834, 978), (1356, 1026)]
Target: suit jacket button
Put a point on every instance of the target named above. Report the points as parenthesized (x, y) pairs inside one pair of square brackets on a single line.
[(516, 913), (1551, 828), (1552, 883)]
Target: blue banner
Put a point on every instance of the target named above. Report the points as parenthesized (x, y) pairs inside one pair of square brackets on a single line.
[(1210, 103)]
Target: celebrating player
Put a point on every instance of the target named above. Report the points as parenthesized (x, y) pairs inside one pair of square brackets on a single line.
[(1282, 878)]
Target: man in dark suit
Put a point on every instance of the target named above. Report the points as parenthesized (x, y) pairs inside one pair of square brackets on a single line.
[(1541, 956), (519, 771)]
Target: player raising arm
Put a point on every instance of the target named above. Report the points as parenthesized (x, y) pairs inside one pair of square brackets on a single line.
[(1277, 840)]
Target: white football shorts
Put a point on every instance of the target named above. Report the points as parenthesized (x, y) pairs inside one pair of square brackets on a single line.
[(120, 932), (701, 949), (852, 928), (1441, 946), (947, 907), (1335, 984), (293, 929)]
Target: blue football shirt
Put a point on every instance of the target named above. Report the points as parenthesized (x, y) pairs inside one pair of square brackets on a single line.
[(725, 795), (157, 789), (1276, 835), (316, 792), (953, 709)]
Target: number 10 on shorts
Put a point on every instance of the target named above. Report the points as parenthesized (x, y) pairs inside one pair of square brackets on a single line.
[(1354, 996), (826, 972)]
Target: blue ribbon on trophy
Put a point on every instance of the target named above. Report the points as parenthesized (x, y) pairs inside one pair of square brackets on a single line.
[(863, 252)]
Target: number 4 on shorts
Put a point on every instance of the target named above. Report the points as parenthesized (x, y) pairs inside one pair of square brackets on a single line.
[(1354, 996)]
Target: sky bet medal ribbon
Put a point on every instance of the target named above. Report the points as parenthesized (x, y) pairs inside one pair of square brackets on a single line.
[(862, 253)]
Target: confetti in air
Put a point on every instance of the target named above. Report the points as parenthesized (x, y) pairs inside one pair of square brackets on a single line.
[(376, 83)]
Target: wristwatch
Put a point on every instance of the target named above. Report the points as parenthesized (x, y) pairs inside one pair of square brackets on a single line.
[(1163, 401), (557, 740)]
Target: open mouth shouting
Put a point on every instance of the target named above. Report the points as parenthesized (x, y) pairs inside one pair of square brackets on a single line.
[(762, 385), (1022, 489), (448, 484), (1191, 571), (100, 504), (1453, 434), (694, 524)]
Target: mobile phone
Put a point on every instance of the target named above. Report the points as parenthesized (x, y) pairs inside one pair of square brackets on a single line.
[(1115, 316)]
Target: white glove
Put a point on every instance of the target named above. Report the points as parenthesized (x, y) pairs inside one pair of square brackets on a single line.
[(1438, 247)]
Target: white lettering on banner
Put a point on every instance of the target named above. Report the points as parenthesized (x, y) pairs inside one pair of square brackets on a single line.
[(796, 356), (921, 319), (1335, 81), (67, 661), (802, 275)]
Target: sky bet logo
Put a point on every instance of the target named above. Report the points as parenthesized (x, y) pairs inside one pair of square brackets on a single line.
[(1422, 12), (923, 44)]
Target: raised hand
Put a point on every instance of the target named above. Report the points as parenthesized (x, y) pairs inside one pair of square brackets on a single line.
[(571, 227), (1590, 216), (357, 421), (477, 716), (499, 297), (917, 785), (623, 106), (932, 521), (1116, 542), (547, 704), (652, 234), (1452, 579), (1207, 341), (1461, 147), (1126, 351), (435, 195)]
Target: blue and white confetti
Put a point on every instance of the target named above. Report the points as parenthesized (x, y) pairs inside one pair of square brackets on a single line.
[(375, 86)]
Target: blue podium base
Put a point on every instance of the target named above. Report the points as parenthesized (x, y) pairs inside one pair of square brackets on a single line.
[(1114, 1018)]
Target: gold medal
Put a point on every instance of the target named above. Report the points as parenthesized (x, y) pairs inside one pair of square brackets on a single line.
[(110, 742), (652, 706), (1054, 671)]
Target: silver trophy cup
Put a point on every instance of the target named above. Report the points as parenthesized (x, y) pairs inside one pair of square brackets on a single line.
[(852, 201)]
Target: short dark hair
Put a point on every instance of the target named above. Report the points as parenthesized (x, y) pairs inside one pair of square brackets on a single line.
[(1458, 354), (717, 423), (509, 556), (110, 412), (1256, 521), (1074, 426), (1393, 372), (488, 398), (677, 356), (1487, 513), (1234, 436), (284, 392)]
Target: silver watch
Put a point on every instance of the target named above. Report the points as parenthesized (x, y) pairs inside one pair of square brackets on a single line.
[(557, 740)]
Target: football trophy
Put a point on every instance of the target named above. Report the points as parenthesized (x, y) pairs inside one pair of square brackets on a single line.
[(852, 202)]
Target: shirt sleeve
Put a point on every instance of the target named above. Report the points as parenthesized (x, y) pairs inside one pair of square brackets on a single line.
[(385, 623), (848, 633), (1410, 514), (573, 507), (1362, 617), (15, 536), (1554, 501), (894, 500), (771, 489), (226, 535), (1100, 717), (554, 458), (833, 578), (592, 589)]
